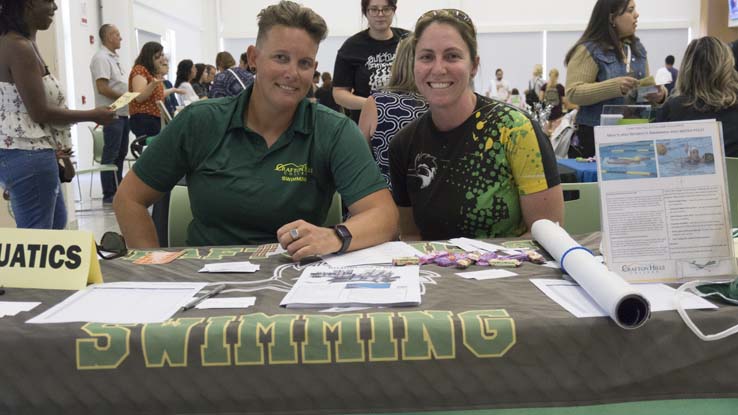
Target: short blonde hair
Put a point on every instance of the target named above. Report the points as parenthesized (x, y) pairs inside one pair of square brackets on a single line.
[(708, 78), (538, 70), (553, 78)]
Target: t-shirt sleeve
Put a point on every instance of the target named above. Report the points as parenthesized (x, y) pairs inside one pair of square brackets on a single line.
[(100, 69), (531, 156), (354, 171), (398, 152), (217, 89), (164, 162), (343, 71), (662, 113)]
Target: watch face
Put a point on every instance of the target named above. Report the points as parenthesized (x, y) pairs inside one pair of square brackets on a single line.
[(345, 235), (343, 232)]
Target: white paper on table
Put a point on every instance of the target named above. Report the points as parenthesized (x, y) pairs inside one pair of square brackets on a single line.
[(623, 302), (487, 274), (470, 245), (227, 302), (574, 299), (11, 308), (122, 303), (223, 267), (380, 254), (324, 286), (343, 309)]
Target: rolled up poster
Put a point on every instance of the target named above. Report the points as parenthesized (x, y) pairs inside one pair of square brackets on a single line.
[(621, 300)]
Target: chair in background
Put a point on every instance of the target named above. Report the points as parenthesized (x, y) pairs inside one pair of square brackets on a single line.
[(98, 142), (731, 168), (334, 216), (581, 207), (180, 215)]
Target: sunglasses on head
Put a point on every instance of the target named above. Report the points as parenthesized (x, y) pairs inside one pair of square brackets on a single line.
[(455, 13), (112, 245)]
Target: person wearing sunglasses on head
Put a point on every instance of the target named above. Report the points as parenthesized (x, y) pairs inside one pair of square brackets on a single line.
[(263, 166), (471, 166), (364, 61)]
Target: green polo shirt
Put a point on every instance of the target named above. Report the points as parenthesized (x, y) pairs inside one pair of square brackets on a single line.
[(240, 191)]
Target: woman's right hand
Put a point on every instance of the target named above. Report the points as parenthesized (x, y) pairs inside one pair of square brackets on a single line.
[(102, 115), (626, 84)]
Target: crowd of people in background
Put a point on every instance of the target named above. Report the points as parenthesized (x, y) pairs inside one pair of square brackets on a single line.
[(409, 93)]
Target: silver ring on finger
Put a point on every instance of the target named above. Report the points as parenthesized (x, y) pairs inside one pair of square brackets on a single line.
[(295, 234)]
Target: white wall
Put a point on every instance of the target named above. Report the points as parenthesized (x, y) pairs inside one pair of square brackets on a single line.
[(513, 34), (193, 27)]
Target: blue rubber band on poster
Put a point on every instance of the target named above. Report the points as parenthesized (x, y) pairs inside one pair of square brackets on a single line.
[(574, 248)]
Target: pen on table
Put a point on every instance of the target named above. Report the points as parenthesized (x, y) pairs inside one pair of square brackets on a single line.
[(198, 300)]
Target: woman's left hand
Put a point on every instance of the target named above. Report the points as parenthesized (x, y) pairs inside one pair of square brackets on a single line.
[(302, 239), (657, 98)]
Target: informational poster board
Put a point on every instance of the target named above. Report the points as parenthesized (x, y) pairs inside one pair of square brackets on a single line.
[(665, 209)]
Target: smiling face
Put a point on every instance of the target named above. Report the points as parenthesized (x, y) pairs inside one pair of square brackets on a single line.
[(379, 14), (443, 66), (626, 23), (285, 63), (39, 14)]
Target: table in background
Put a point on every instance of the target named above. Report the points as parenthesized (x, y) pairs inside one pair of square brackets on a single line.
[(470, 345), (585, 171)]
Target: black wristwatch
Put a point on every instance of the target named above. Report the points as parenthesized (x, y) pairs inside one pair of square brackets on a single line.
[(345, 236)]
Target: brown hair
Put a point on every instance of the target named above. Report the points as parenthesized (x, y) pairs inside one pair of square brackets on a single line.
[(327, 80), (454, 18), (601, 31), (290, 14), (707, 77), (224, 60), (365, 5)]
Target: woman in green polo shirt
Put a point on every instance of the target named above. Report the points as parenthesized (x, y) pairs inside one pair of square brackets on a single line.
[(263, 166)]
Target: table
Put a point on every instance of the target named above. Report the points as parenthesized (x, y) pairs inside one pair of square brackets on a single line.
[(495, 345), (585, 172)]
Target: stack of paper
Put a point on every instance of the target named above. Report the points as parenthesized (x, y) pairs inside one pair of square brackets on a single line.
[(11, 308), (323, 286), (122, 303), (223, 267)]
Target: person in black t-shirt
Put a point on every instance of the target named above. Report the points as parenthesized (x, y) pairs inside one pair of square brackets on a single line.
[(471, 166), (707, 88), (363, 62)]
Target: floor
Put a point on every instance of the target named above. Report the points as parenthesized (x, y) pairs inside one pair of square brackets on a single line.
[(91, 214)]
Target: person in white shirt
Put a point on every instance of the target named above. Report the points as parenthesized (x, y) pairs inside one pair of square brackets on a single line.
[(186, 72), (110, 82), (499, 88)]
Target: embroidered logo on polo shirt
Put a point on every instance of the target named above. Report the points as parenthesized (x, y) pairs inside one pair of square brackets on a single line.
[(292, 172)]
